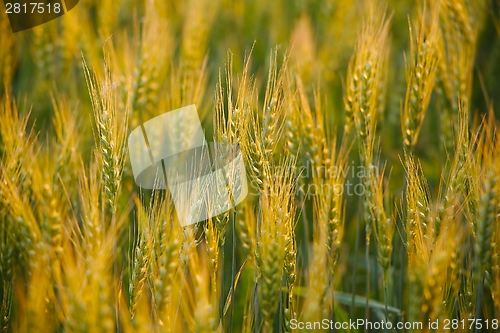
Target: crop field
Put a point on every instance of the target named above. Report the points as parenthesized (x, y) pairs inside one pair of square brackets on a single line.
[(368, 197)]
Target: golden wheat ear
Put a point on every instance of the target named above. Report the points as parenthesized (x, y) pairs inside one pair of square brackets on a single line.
[(110, 126), (421, 70)]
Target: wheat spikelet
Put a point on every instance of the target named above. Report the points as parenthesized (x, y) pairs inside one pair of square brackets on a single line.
[(226, 134), (420, 77), (418, 210), (111, 127), (435, 275), (40, 305), (93, 227), (165, 260), (199, 303), (466, 303), (213, 243), (139, 261), (317, 304), (18, 154), (45, 45), (271, 128), (292, 127), (495, 266), (417, 233), (487, 211), (431, 261), (461, 166), (456, 49), (384, 227), (363, 80), (138, 276), (315, 149), (245, 227), (199, 15), (261, 132), (153, 60), (290, 271), (486, 217), (364, 76), (274, 236), (50, 174), (329, 180)]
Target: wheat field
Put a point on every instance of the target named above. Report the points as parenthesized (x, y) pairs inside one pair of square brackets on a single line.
[(368, 134)]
